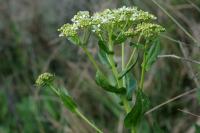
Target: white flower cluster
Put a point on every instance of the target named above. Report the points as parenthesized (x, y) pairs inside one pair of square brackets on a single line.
[(68, 30), (149, 30), (120, 17), (117, 18), (82, 19)]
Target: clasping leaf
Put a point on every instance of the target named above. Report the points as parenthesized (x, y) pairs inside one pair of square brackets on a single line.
[(137, 112), (131, 84), (67, 100), (103, 58), (102, 45), (104, 83)]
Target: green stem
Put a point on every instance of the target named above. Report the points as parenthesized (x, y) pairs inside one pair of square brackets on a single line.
[(143, 69), (133, 130), (90, 58), (114, 69), (131, 57), (111, 59), (54, 89), (124, 100), (115, 72), (126, 104), (79, 113), (123, 63), (86, 120), (142, 78)]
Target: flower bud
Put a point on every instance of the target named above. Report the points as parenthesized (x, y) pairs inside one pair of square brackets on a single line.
[(45, 79)]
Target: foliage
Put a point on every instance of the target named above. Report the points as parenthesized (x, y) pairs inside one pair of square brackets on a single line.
[(29, 45)]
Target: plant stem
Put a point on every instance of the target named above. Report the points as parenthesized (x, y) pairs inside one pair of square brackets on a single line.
[(54, 89), (143, 69), (86, 120), (124, 100), (79, 113), (111, 58), (114, 69), (131, 57), (133, 130), (142, 78), (115, 72), (126, 104), (123, 63), (90, 58)]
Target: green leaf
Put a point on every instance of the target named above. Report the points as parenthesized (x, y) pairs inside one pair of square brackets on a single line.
[(152, 54), (102, 46), (103, 58), (131, 84), (137, 112), (104, 83), (67, 100)]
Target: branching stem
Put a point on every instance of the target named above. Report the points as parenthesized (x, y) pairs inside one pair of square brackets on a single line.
[(91, 58)]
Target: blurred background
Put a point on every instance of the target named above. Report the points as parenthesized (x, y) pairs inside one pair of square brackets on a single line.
[(29, 46)]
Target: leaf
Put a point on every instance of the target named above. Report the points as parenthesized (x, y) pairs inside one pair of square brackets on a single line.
[(102, 45), (104, 83), (103, 58), (67, 100), (152, 54), (131, 84), (137, 112)]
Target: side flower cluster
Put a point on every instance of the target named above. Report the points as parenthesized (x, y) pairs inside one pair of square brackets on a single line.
[(45, 79), (149, 30)]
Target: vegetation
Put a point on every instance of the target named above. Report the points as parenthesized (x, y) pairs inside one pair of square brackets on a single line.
[(134, 78)]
